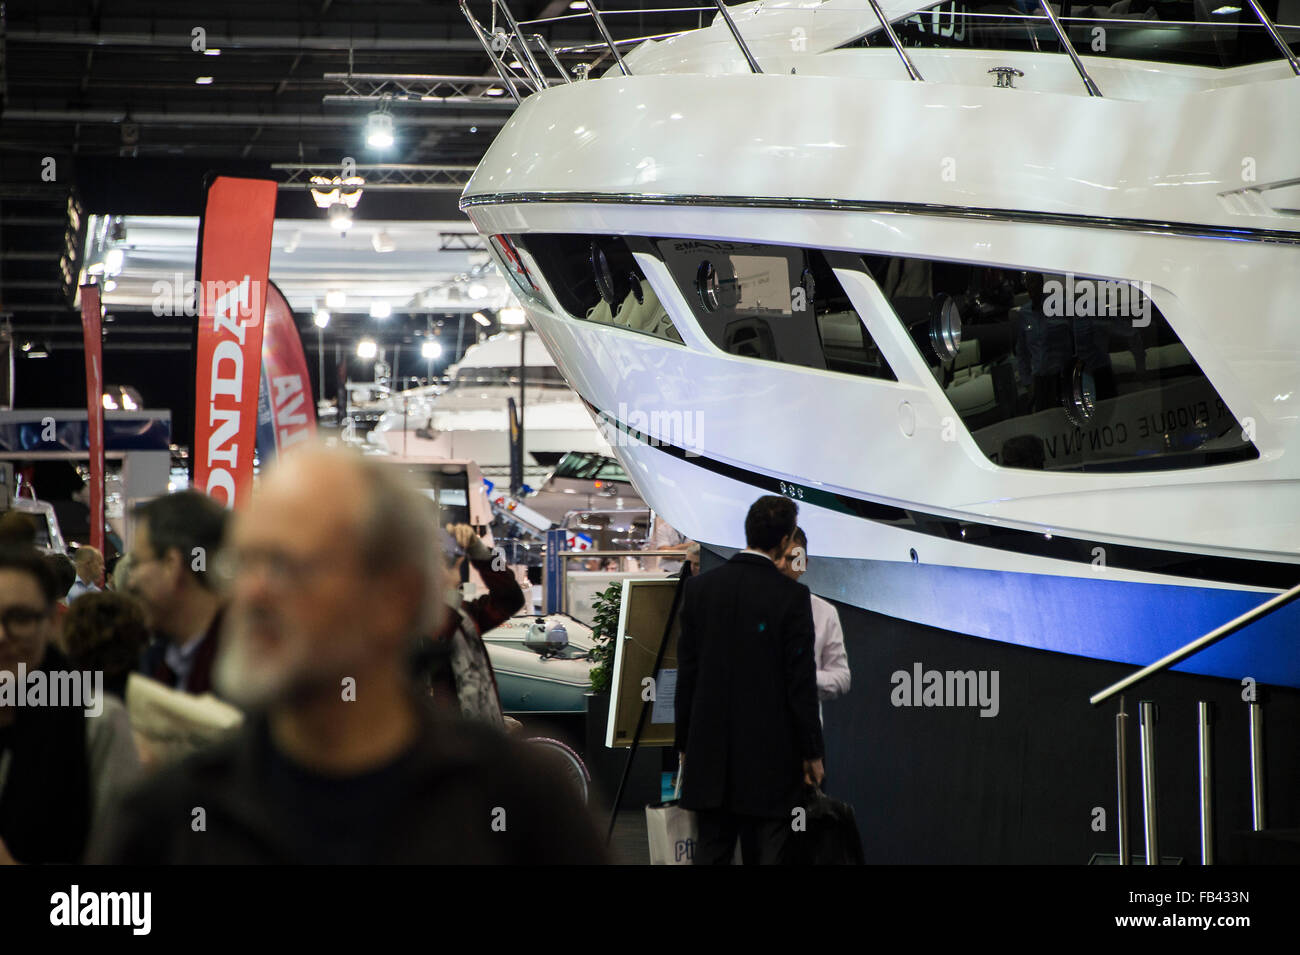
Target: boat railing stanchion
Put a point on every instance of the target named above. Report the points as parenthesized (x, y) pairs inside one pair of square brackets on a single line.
[(487, 48), (546, 47), (526, 57), (1204, 717), (1088, 84), (1257, 765), (912, 71), (1121, 778), (1277, 37), (1147, 733), (740, 40), (609, 40)]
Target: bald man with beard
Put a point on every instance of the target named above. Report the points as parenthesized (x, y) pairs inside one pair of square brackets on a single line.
[(331, 569)]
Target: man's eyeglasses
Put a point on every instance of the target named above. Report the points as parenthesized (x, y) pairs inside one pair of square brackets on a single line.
[(281, 569), (21, 622)]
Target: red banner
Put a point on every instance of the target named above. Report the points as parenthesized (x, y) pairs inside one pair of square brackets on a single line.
[(234, 258), (285, 381), (94, 349)]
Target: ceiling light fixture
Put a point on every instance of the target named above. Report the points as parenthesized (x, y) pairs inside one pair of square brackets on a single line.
[(340, 216), (336, 298), (367, 349), (482, 319), (203, 80), (477, 290), (380, 309), (321, 318), (379, 130), (430, 350), (512, 316)]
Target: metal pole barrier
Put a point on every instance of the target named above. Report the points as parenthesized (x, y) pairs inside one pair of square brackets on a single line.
[(1147, 734), (1121, 775), (1204, 713), (609, 40), (1257, 765), (740, 40)]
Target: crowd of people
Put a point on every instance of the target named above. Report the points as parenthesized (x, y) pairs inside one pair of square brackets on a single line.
[(367, 727)]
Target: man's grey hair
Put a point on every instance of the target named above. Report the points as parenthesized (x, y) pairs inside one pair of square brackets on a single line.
[(400, 530)]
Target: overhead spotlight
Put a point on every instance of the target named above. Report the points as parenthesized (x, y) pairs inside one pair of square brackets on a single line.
[(578, 5), (482, 319), (512, 316), (321, 318), (217, 52), (473, 129), (494, 91), (430, 350), (380, 309), (367, 349), (203, 80), (379, 130), (110, 403), (340, 216), (113, 260), (110, 285), (477, 290), (515, 65), (27, 346), (336, 298)]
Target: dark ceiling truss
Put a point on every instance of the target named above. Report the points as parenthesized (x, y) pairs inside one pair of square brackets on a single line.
[(415, 88), (382, 176)]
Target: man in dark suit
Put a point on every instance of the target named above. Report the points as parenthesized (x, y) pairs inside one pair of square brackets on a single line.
[(746, 702)]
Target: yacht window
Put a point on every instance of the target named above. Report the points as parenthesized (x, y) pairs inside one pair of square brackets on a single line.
[(596, 278), (1193, 32), (1061, 372), (773, 302)]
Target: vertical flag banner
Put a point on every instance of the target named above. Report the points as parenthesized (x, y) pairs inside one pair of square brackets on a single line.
[(94, 349), (234, 259), (286, 412)]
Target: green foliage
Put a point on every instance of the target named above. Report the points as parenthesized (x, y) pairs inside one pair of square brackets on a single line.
[(604, 629)]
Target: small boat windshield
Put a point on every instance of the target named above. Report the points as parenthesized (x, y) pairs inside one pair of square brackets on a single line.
[(1214, 33)]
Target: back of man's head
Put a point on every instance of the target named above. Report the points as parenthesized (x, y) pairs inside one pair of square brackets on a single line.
[(89, 563), (190, 523), (770, 520)]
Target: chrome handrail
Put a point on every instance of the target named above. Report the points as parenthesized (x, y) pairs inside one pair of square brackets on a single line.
[(555, 60), (487, 48), (893, 39), (1199, 644), (740, 40), (1277, 37), (530, 63), (609, 40), (1088, 84)]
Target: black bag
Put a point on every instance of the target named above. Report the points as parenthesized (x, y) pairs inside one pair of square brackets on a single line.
[(832, 837)]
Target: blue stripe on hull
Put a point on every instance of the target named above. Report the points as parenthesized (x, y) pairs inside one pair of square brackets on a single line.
[(1123, 621)]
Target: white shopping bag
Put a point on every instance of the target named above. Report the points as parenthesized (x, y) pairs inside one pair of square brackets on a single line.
[(672, 831)]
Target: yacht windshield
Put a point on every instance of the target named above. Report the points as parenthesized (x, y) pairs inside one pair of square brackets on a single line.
[(1218, 33)]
